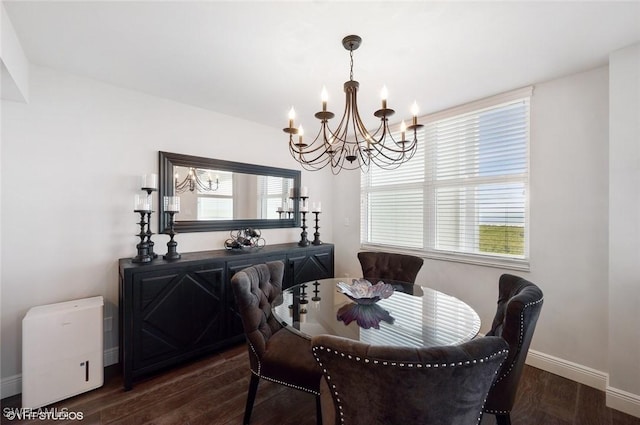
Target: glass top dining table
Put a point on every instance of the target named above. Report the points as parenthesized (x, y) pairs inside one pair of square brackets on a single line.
[(413, 316)]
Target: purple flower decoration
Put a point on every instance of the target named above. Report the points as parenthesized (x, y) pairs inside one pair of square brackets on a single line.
[(366, 315)]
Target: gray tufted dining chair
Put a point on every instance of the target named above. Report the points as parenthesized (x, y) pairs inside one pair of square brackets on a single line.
[(275, 354), (386, 385), (519, 305), (387, 265)]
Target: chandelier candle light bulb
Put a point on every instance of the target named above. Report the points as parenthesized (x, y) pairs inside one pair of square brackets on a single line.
[(383, 95), (414, 112), (325, 97), (292, 116)]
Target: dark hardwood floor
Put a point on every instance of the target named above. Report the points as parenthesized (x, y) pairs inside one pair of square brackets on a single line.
[(212, 390)]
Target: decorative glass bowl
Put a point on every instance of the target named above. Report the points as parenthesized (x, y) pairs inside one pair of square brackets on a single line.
[(363, 292)]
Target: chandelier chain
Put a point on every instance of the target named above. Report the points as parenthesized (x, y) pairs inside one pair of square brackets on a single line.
[(351, 66)]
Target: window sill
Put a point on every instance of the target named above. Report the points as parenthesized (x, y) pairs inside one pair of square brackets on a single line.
[(477, 260)]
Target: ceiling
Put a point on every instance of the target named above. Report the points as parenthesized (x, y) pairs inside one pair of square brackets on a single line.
[(255, 59)]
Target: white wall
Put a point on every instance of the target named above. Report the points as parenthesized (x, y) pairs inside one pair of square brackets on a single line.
[(14, 65), (569, 244), (79, 148), (624, 228)]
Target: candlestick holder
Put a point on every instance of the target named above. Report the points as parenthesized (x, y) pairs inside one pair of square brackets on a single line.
[(316, 292), (172, 254), (304, 201), (316, 235), (149, 191), (303, 236), (143, 246)]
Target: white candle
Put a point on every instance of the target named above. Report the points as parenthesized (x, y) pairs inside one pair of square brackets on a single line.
[(172, 203), (304, 192), (279, 209), (304, 208), (291, 192), (141, 203), (318, 207), (150, 181)]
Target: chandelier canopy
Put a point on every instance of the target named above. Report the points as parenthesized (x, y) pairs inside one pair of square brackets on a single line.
[(196, 179), (350, 145)]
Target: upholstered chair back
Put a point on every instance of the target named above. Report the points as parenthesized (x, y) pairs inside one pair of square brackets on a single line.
[(402, 385), (255, 289), (385, 265), (519, 305)]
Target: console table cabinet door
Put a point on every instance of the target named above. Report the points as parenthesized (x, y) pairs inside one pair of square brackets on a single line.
[(179, 311), (313, 266)]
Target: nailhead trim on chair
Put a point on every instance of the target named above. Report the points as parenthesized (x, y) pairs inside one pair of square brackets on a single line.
[(520, 336), (391, 363), (258, 373), (498, 412)]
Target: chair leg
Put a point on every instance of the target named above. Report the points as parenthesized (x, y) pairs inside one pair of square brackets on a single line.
[(318, 411), (251, 397), (504, 419)]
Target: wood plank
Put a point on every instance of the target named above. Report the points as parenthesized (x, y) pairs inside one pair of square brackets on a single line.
[(213, 390)]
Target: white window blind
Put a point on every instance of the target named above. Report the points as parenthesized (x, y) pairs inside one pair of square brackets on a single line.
[(217, 205), (272, 193), (464, 194)]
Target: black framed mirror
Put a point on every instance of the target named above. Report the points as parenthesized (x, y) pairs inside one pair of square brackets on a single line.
[(220, 195)]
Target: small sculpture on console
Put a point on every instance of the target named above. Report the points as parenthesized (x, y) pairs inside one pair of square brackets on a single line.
[(245, 239)]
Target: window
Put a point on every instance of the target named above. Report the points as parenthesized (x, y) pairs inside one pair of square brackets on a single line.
[(273, 192), (463, 196), (217, 205)]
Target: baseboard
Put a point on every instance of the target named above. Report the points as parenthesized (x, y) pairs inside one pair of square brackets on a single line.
[(623, 401), (617, 399), (573, 371), (111, 356), (13, 385)]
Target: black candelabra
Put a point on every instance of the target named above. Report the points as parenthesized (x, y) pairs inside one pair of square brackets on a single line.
[(303, 211), (171, 207), (144, 207), (316, 235), (316, 292), (143, 255), (172, 253), (303, 236), (149, 191)]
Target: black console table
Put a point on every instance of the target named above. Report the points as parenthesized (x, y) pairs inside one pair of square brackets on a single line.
[(172, 311)]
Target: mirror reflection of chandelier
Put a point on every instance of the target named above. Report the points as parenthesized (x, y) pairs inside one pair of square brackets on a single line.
[(342, 150), (196, 179)]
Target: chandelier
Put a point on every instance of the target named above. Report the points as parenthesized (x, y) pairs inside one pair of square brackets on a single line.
[(194, 180), (342, 150)]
